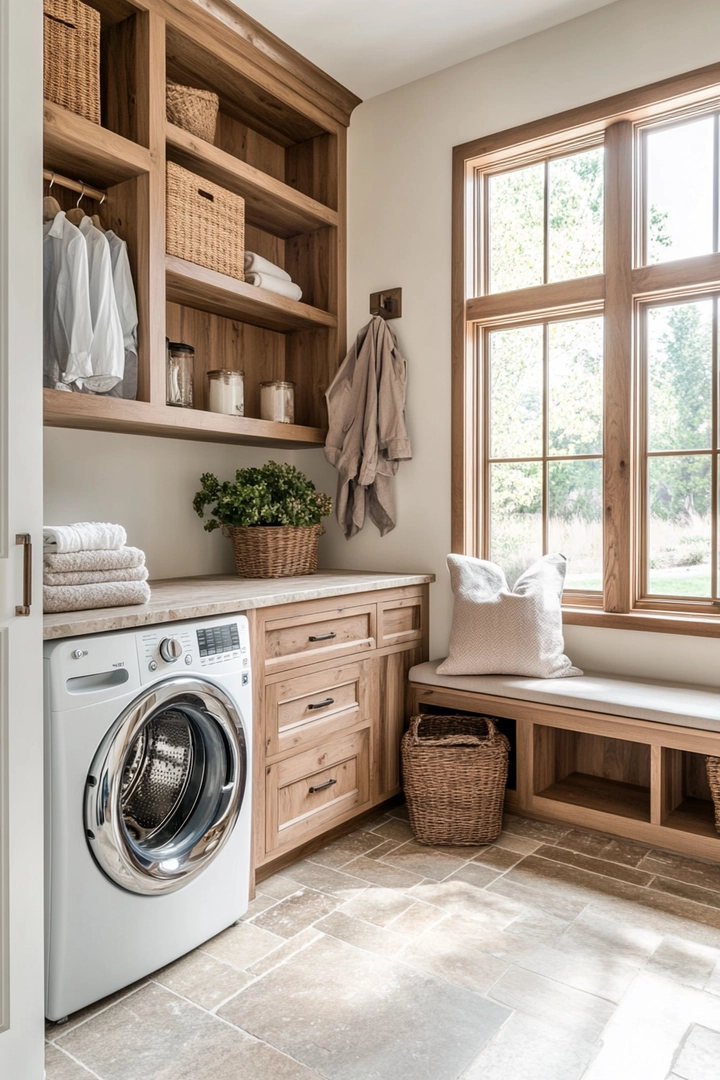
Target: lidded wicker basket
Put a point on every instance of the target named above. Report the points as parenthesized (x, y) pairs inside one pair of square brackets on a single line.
[(713, 774), (454, 774), (71, 71), (192, 110), (273, 551), (205, 223)]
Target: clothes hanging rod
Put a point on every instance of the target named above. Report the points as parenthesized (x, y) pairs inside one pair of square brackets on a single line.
[(74, 185)]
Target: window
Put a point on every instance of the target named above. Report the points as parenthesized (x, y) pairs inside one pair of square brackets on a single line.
[(586, 373)]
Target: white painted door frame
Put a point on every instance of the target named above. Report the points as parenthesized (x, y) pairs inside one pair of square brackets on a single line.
[(21, 701)]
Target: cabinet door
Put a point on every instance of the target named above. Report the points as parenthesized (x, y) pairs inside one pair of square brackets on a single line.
[(21, 718), (391, 687), (401, 621)]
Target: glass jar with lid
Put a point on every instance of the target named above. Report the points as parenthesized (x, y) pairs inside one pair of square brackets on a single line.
[(180, 363), (277, 401), (226, 392)]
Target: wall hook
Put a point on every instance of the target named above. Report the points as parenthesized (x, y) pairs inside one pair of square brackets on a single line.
[(387, 304)]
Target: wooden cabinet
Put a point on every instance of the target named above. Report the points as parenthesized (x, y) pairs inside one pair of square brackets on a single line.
[(280, 143), (330, 708)]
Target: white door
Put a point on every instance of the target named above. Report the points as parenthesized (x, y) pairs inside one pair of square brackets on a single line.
[(21, 724)]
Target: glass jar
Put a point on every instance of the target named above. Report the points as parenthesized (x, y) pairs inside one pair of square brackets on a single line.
[(277, 402), (180, 361), (226, 392)]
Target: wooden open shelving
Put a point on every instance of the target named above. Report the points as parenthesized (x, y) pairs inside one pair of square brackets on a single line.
[(280, 143)]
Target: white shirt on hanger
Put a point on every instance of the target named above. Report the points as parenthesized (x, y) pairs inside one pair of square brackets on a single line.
[(67, 329), (127, 309), (107, 356)]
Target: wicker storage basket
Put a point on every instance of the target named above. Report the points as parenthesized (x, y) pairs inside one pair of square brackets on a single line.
[(454, 774), (205, 223), (272, 551), (713, 775), (193, 110), (71, 73)]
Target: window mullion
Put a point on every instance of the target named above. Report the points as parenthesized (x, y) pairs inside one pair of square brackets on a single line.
[(618, 425)]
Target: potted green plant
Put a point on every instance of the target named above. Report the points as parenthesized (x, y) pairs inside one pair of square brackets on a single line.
[(272, 515)]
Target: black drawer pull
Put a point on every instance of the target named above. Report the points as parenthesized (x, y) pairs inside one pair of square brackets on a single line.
[(322, 704), (321, 787), (323, 637)]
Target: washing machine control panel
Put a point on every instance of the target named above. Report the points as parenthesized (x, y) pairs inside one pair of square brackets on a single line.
[(202, 646)]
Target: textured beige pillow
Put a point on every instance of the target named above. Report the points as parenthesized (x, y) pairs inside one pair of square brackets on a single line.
[(496, 631)]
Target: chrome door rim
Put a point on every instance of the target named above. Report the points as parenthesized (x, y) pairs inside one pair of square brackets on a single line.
[(107, 837)]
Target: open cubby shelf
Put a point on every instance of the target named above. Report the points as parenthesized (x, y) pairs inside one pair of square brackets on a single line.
[(619, 775), (280, 143)]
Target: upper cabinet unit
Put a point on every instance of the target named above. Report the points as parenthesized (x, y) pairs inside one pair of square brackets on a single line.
[(278, 143)]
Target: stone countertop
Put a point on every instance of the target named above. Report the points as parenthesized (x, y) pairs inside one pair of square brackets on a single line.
[(200, 597)]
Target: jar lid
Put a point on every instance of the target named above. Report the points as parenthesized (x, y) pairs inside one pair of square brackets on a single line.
[(218, 373), (180, 346), (278, 382)]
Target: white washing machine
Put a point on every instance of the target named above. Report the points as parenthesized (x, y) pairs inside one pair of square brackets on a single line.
[(148, 809)]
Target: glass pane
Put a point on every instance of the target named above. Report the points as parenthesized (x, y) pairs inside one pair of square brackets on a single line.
[(515, 517), (680, 376), (575, 233), (575, 499), (680, 191), (679, 529), (517, 210), (575, 357), (516, 392)]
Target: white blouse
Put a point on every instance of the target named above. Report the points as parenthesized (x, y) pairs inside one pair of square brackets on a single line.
[(127, 309), (107, 355), (68, 331)]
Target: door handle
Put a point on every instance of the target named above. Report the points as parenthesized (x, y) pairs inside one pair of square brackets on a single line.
[(321, 787), (26, 540)]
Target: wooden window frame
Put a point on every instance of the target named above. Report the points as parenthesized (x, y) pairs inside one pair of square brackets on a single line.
[(618, 294)]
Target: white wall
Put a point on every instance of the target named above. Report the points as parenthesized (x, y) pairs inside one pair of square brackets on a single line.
[(399, 234), (147, 485)]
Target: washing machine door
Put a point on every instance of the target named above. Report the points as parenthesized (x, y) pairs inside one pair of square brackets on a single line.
[(166, 785)]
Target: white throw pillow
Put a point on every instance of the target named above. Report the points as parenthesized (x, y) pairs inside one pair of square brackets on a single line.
[(496, 631)]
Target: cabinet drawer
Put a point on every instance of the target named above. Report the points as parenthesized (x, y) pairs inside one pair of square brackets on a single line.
[(400, 620), (312, 791), (307, 709), (321, 636)]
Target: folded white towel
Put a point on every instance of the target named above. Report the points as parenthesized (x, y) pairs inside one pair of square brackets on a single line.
[(83, 536), (95, 577), (75, 562), (276, 285), (255, 264), (58, 598)]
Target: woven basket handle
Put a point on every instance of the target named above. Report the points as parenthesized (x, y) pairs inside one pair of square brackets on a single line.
[(455, 740)]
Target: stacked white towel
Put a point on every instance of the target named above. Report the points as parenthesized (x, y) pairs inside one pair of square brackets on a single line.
[(267, 275), (89, 565)]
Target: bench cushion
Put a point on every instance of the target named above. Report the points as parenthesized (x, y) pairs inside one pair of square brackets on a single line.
[(619, 695)]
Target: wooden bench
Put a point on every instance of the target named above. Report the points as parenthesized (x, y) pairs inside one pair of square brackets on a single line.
[(620, 755)]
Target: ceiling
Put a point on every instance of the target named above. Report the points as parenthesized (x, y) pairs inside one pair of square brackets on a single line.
[(371, 46)]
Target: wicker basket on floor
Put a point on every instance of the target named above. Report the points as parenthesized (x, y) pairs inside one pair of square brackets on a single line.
[(273, 551), (193, 110), (71, 71), (454, 774), (713, 775), (205, 223)]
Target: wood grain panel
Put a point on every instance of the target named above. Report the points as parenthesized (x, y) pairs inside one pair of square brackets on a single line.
[(401, 620), (391, 708), (244, 143), (306, 708), (324, 636)]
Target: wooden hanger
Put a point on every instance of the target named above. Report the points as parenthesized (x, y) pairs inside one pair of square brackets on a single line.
[(96, 218), (76, 215), (51, 207)]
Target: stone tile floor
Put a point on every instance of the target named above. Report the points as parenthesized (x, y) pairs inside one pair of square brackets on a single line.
[(553, 954)]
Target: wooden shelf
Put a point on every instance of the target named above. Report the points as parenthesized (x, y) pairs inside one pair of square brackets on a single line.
[(269, 204), (63, 409), (85, 151), (196, 287), (597, 793), (694, 816)]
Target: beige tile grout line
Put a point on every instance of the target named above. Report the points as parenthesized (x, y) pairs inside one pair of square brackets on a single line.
[(77, 1061)]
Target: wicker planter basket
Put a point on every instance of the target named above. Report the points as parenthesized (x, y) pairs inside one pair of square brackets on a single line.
[(205, 223), (193, 110), (71, 73), (454, 774), (272, 551), (713, 775)]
